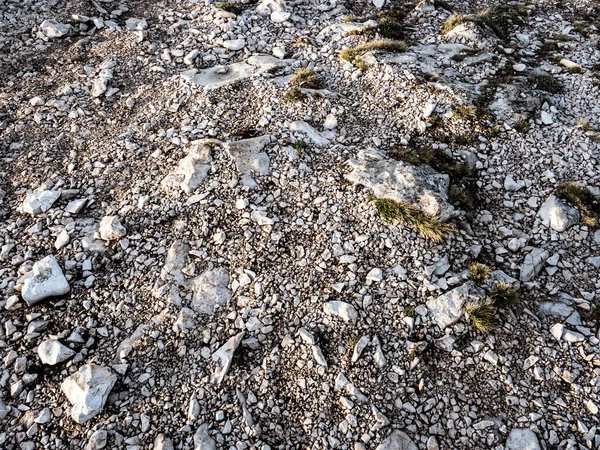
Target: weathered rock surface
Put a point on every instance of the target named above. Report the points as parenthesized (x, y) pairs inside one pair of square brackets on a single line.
[(87, 391), (111, 229), (402, 182), (45, 280), (522, 439), (52, 352), (449, 308), (397, 440), (224, 356), (249, 158), (191, 170), (210, 290), (533, 264), (40, 202), (557, 214)]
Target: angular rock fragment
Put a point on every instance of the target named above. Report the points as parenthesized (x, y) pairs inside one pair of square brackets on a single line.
[(191, 170), (210, 290), (448, 308), (87, 390), (557, 214), (175, 261), (203, 440), (111, 229), (522, 439), (402, 182), (249, 158), (342, 310), (533, 264), (52, 352), (316, 137), (397, 440), (39, 202), (54, 29), (223, 357), (44, 281), (98, 440), (163, 443), (342, 383)]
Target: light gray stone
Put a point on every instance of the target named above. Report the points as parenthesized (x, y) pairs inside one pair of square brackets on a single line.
[(223, 357), (522, 439), (111, 229), (557, 214), (98, 440), (87, 390), (203, 440), (210, 290), (52, 352), (45, 280), (342, 310), (403, 182), (397, 440), (533, 264), (54, 29), (249, 158), (191, 170), (448, 308), (39, 202)]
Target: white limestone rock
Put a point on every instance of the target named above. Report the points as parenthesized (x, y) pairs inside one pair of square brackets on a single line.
[(39, 202), (342, 310), (111, 229), (249, 158), (316, 137), (210, 290), (54, 29), (557, 214), (87, 390), (397, 440), (191, 170), (533, 264), (45, 280), (448, 308), (522, 439), (402, 182), (203, 440), (52, 352), (234, 44), (98, 440), (223, 357)]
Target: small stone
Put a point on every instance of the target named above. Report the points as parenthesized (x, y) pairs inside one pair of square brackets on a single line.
[(522, 439), (557, 214), (54, 29), (40, 202), (52, 352), (111, 228), (45, 280), (98, 440), (342, 310)]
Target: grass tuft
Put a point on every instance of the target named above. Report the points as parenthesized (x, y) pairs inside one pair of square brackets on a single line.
[(479, 272), (484, 19), (294, 95), (452, 22), (482, 316), (584, 199), (427, 225), (305, 78), (233, 8), (351, 54), (503, 295), (390, 23), (546, 83)]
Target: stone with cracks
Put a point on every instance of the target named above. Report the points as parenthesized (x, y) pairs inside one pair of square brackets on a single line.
[(98, 440), (87, 390), (557, 214), (533, 264), (223, 357), (45, 280), (210, 290), (522, 439), (39, 202), (218, 76), (342, 310), (448, 308), (54, 29), (191, 170), (397, 440), (52, 352), (203, 440), (111, 229), (402, 182), (249, 158)]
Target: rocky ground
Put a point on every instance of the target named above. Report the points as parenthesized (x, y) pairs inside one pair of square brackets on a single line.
[(299, 225)]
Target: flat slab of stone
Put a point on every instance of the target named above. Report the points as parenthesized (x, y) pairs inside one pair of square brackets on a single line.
[(417, 185), (39, 202), (449, 308), (87, 390), (210, 290), (397, 440), (191, 170), (45, 280), (249, 158), (522, 439)]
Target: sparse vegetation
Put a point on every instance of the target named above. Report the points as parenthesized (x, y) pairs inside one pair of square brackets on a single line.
[(465, 112), (294, 95), (427, 225), (299, 146), (409, 311), (479, 272), (585, 125), (452, 22), (489, 18), (545, 83), (503, 295), (233, 8), (351, 54), (458, 195), (305, 78), (482, 316), (435, 158), (522, 126), (390, 23), (585, 200)]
